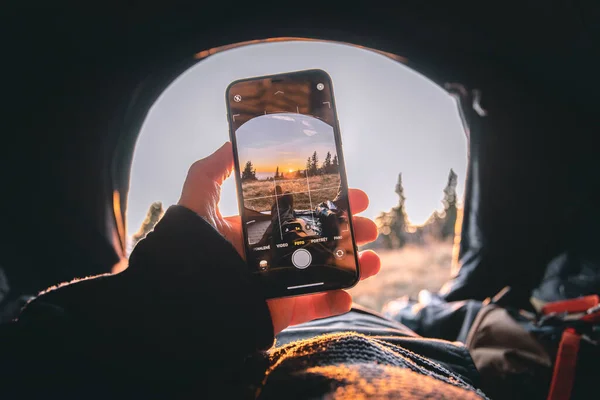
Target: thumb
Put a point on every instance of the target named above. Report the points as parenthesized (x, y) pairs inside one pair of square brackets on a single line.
[(202, 188), (217, 167)]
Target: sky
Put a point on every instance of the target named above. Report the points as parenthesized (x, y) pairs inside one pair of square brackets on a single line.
[(392, 120), (283, 140)]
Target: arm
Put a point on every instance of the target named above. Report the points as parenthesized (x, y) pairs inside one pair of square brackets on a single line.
[(183, 315)]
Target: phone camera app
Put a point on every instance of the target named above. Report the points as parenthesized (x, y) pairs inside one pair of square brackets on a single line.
[(294, 204)]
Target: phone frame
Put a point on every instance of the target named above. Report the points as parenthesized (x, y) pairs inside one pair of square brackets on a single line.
[(342, 172)]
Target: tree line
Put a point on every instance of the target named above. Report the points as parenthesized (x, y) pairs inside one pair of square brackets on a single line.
[(312, 168), (395, 230)]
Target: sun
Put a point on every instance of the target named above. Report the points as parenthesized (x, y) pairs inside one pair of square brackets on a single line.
[(290, 170)]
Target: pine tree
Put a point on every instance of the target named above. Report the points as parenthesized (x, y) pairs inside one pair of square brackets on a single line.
[(327, 163), (399, 220), (277, 172), (399, 190), (249, 173), (392, 225), (154, 214), (450, 206), (385, 231), (308, 166), (314, 164), (334, 164)]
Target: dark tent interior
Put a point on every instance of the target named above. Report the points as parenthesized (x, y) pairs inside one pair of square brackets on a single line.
[(78, 85)]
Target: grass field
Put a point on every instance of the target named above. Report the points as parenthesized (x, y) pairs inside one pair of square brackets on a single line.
[(405, 272), (258, 195)]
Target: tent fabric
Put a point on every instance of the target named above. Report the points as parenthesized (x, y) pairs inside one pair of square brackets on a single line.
[(528, 197), (78, 87)]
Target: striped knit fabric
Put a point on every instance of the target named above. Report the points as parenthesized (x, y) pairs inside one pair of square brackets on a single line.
[(354, 366)]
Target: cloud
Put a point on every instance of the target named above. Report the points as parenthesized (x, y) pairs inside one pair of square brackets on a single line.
[(309, 132), (306, 123), (283, 117)]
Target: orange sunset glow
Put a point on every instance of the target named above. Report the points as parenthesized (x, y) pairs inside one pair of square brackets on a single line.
[(285, 165), (284, 142)]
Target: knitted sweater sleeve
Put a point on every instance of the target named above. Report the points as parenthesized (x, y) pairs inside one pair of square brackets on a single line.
[(184, 314)]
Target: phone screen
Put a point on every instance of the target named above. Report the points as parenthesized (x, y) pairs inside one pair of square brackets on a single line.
[(291, 183)]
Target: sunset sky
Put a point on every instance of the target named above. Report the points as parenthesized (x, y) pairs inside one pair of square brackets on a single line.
[(283, 140)]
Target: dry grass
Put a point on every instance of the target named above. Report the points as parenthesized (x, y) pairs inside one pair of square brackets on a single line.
[(405, 272), (258, 195)]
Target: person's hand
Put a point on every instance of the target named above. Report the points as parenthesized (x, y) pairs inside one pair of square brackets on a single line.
[(201, 193)]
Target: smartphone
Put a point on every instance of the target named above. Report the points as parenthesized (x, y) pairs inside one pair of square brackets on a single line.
[(291, 183)]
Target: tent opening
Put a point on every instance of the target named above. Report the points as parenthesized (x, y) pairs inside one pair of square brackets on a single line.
[(404, 145)]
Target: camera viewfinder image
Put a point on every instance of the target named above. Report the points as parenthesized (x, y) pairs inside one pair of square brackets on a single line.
[(292, 192)]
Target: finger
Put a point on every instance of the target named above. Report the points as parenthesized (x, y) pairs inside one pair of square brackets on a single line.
[(307, 308), (234, 219), (232, 230), (359, 201), (365, 230), (218, 166), (234, 223), (201, 190), (370, 264), (281, 311)]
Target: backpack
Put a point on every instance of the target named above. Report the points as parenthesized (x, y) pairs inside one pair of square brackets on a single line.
[(553, 354)]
